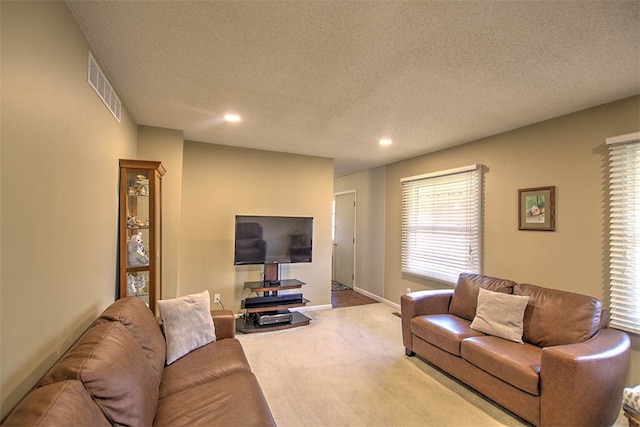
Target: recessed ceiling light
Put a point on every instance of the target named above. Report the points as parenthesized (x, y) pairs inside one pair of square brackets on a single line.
[(233, 118), (385, 141)]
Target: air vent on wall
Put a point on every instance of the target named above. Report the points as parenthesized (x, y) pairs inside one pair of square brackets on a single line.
[(99, 83)]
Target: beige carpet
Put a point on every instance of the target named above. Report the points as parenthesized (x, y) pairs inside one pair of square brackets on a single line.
[(348, 368)]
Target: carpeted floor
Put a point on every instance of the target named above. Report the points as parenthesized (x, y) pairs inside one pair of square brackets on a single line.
[(348, 368)]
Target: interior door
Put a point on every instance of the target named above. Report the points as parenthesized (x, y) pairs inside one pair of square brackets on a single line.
[(344, 238)]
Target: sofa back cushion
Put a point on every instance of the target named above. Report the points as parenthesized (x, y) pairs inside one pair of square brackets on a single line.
[(465, 295), (555, 317), (134, 314), (111, 365), (66, 403)]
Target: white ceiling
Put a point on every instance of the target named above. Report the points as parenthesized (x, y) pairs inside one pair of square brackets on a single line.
[(330, 78)]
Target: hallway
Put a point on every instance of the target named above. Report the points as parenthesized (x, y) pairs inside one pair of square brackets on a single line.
[(349, 298)]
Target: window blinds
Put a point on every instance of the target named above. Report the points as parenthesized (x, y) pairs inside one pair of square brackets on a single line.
[(624, 231), (441, 223)]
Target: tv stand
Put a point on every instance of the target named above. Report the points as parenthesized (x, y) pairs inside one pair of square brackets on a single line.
[(278, 307)]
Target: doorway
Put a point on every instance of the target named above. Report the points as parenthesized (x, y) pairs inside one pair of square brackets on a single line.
[(344, 239)]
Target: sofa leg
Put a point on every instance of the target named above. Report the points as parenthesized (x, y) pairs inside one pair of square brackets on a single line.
[(408, 352)]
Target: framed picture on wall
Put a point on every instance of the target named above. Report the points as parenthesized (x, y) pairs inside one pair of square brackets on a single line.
[(537, 209)]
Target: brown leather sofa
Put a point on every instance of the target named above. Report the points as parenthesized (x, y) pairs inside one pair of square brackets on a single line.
[(115, 374), (570, 369)]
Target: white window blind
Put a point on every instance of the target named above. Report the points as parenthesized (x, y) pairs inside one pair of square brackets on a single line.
[(441, 223), (624, 231)]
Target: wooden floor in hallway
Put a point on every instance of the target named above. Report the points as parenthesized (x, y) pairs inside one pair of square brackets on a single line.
[(349, 298)]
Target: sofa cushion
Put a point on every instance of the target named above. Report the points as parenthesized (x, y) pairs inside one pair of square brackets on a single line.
[(134, 314), (465, 295), (443, 330), (235, 400), (113, 368), (500, 314), (65, 403), (515, 364), (187, 324), (579, 316), (209, 362)]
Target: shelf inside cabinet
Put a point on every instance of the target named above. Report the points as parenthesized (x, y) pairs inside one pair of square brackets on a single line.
[(139, 268)]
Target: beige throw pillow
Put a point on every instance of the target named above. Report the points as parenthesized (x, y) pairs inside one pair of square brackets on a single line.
[(500, 315), (187, 324)]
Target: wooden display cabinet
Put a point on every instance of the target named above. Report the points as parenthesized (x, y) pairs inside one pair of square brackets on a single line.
[(140, 231)]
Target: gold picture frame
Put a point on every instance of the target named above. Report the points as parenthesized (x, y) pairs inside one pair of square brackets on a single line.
[(537, 209)]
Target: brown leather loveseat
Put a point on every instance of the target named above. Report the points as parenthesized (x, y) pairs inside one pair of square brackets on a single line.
[(115, 374), (558, 365)]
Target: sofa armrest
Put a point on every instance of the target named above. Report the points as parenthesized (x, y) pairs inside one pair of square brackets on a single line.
[(581, 384), (225, 324), (419, 304)]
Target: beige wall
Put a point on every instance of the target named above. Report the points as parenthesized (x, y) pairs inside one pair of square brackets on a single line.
[(220, 182), (166, 145), (568, 152), (370, 210), (59, 179), (60, 151)]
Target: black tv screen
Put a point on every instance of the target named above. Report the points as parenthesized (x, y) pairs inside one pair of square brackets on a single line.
[(272, 239)]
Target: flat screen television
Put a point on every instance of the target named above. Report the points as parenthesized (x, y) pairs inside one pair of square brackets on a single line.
[(272, 239)]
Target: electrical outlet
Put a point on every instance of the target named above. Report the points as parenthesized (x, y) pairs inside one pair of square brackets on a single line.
[(408, 290), (216, 298)]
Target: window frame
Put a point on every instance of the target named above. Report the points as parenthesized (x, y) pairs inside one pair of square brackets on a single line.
[(624, 231), (442, 262)]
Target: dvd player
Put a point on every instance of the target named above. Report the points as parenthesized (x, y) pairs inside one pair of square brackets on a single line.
[(273, 317)]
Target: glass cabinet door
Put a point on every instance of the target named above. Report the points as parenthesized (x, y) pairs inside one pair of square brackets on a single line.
[(140, 230)]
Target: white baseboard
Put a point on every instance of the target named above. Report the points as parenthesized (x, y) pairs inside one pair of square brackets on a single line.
[(362, 291), (377, 298), (329, 306), (312, 308)]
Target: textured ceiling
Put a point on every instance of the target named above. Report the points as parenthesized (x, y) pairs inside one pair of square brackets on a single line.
[(331, 78)]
